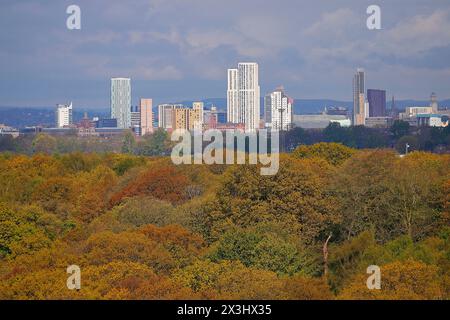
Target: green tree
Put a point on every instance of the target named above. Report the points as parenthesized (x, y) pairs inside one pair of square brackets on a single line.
[(129, 142), (44, 143), (399, 128), (155, 144), (333, 153)]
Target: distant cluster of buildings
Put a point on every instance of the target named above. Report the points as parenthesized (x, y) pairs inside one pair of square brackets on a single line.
[(371, 110), (430, 116), (242, 113), (7, 130), (243, 110)]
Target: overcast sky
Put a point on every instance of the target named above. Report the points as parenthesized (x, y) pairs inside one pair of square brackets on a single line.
[(180, 49)]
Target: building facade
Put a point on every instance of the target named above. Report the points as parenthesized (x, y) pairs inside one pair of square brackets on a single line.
[(243, 95), (146, 116), (106, 123), (196, 116), (359, 112), (411, 112), (432, 120), (233, 112), (165, 115), (377, 102), (135, 115), (172, 117), (121, 101), (63, 115), (278, 110)]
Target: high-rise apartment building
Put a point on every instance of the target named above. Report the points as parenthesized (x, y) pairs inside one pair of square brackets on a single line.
[(146, 116), (243, 104), (233, 112), (63, 115), (180, 118), (278, 110), (121, 101), (165, 115), (359, 112), (172, 117), (196, 116), (377, 102)]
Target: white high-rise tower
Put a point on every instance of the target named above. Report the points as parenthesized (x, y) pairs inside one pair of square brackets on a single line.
[(121, 101), (278, 110), (243, 95), (63, 115), (233, 114)]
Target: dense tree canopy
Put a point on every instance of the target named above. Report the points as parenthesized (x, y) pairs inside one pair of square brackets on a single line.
[(140, 227)]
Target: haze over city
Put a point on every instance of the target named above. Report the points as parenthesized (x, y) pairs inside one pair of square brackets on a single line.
[(180, 50)]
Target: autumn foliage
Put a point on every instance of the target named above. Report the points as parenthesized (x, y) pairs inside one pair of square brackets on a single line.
[(142, 228)]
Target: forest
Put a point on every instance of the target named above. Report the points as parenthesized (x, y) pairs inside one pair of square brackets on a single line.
[(140, 227)]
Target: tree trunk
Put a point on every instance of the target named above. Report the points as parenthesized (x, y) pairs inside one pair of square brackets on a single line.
[(325, 256)]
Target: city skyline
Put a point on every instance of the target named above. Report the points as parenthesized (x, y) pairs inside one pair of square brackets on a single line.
[(312, 53)]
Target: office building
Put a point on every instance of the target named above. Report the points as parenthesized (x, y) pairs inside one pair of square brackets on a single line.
[(121, 101), (63, 115), (377, 102)]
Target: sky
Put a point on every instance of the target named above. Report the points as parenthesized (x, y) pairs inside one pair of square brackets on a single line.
[(177, 50)]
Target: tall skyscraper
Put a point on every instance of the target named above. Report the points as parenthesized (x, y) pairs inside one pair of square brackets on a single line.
[(243, 84), (377, 102), (278, 110), (146, 116), (63, 115), (233, 114), (121, 101), (434, 103), (359, 112)]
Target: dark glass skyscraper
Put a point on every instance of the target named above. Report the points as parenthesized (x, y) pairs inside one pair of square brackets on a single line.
[(377, 102)]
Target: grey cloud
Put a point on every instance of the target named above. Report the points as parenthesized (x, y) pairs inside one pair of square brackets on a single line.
[(312, 47)]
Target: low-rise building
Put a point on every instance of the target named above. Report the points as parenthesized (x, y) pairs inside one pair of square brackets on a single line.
[(316, 121), (7, 130), (411, 112), (379, 122), (432, 120)]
